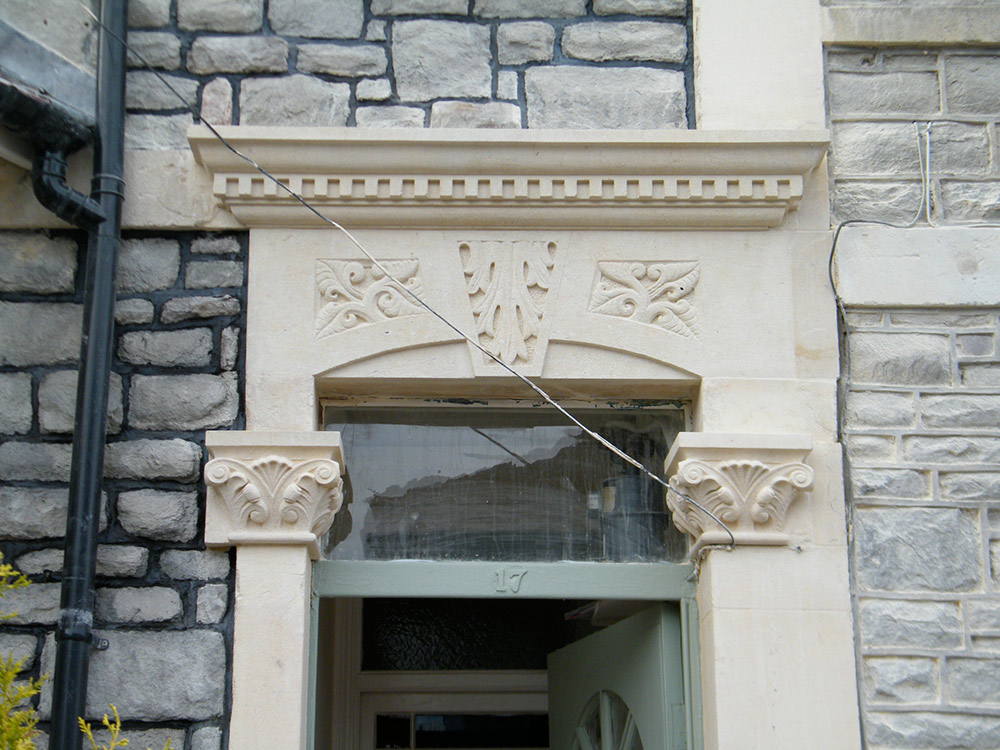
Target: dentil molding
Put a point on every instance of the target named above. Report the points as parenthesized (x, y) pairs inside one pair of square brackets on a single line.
[(748, 481), (272, 488), (512, 178)]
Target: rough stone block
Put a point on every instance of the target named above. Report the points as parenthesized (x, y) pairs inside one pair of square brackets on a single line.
[(975, 345), (190, 564), (293, 100), (19, 647), (626, 40), (433, 59), (153, 675), (970, 201), (220, 15), (881, 93), (57, 402), (158, 49), (37, 604), (507, 85), (474, 115), (995, 561), (33, 262), (148, 13), (238, 54), (217, 102), (229, 348), (917, 549), (951, 450), (145, 90), (39, 333), (893, 201), (874, 148), (942, 318), (46, 462), (974, 680), (193, 308), (960, 411), (36, 512), (187, 348), (329, 19), (973, 84), (174, 459), (133, 312), (895, 483), (15, 402), (148, 265), (879, 409), (342, 59), (900, 680), (375, 31), (122, 560), (147, 738), (211, 274), (529, 41), (871, 449), (896, 623), (529, 8), (900, 359), (419, 7), (215, 245), (206, 738), (212, 602), (373, 90), (980, 485), (959, 149), (41, 561), (641, 7), (136, 605), (579, 97), (926, 729), (389, 117), (156, 132), (866, 319), (158, 514), (182, 402)]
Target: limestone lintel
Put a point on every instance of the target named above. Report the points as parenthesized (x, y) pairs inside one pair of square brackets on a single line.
[(274, 488), (747, 480)]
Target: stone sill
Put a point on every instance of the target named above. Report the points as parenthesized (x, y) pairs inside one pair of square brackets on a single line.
[(513, 178)]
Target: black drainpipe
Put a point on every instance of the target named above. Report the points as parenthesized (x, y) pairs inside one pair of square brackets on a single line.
[(74, 632)]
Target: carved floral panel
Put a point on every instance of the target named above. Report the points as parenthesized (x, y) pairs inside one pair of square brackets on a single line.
[(508, 282), (652, 293), (355, 293)]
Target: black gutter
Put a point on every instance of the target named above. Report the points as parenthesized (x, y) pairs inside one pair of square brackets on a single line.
[(74, 632)]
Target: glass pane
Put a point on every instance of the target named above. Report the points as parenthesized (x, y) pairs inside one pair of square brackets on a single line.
[(481, 731), (502, 484), (392, 731)]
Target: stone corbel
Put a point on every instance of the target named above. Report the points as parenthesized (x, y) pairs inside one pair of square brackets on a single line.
[(272, 488), (748, 481)]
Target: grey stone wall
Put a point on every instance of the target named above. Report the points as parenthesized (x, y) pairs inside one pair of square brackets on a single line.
[(163, 601), (408, 63), (921, 432), (876, 95)]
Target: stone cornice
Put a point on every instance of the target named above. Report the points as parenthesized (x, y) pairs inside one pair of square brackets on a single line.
[(513, 178), (748, 481), (272, 488)]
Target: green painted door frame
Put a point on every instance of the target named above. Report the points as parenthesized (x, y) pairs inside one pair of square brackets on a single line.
[(528, 580)]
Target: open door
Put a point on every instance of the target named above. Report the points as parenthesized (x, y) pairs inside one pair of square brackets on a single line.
[(621, 688)]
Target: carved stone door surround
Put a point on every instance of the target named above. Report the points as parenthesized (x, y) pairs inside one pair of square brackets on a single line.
[(684, 264)]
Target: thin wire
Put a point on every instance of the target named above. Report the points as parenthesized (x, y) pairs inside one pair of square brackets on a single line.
[(415, 297)]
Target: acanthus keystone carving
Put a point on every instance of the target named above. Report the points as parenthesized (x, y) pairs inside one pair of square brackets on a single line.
[(353, 293), (507, 284), (646, 292), (278, 494)]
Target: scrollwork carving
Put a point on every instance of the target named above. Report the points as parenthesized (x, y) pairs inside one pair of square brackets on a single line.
[(649, 293), (746, 495), (276, 493), (353, 293)]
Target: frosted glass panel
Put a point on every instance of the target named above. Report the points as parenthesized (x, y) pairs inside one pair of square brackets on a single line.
[(472, 483)]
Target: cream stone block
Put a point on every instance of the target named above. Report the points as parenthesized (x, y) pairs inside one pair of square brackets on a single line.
[(758, 65), (778, 679), (270, 648), (729, 404), (960, 23), (272, 488)]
